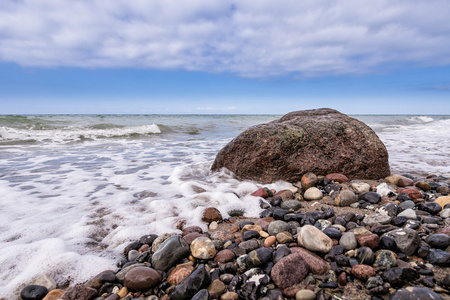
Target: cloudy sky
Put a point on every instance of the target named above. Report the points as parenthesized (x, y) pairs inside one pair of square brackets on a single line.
[(205, 56)]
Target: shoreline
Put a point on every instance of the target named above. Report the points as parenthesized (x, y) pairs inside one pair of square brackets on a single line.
[(235, 253)]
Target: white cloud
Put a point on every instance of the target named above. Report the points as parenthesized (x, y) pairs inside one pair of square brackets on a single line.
[(249, 38)]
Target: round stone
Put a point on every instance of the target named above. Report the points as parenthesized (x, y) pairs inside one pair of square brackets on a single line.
[(361, 187), (290, 270), (305, 295), (276, 227), (348, 241), (408, 213), (224, 256), (33, 292), (211, 214), (142, 278), (314, 239), (439, 240), (333, 232), (250, 234), (180, 273), (313, 193), (260, 256), (203, 248), (309, 180), (291, 205), (284, 237), (345, 198), (415, 293), (385, 259), (371, 220)]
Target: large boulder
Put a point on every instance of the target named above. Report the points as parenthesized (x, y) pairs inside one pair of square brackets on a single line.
[(320, 141)]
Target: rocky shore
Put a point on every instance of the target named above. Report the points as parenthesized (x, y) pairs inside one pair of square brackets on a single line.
[(324, 238)]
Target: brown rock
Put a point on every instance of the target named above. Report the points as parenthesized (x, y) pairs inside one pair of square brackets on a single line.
[(342, 279), (191, 229), (322, 141), (289, 270), (316, 264), (192, 236), (337, 177), (180, 273), (270, 241), (285, 195), (142, 278), (309, 180), (224, 256), (363, 272), (217, 287), (424, 186), (443, 200), (290, 291), (248, 227), (404, 181), (371, 240), (211, 214), (229, 296), (79, 292), (262, 192), (443, 190), (413, 193), (445, 230), (53, 295)]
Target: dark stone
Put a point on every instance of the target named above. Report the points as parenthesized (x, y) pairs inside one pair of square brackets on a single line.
[(350, 217), (191, 229), (251, 234), (294, 217), (278, 214), (79, 292), (423, 250), (439, 257), (399, 221), (336, 250), (446, 281), (431, 220), (428, 282), (426, 272), (267, 212), (260, 256), (371, 197), (243, 223), (249, 245), (201, 295), (148, 239), (281, 252), (386, 242), (382, 229), (342, 260), (170, 251), (33, 292), (415, 293), (333, 233), (439, 240), (329, 285), (403, 197), (198, 279), (431, 207), (321, 141), (365, 256), (340, 221), (131, 246), (407, 240), (399, 276), (412, 224), (276, 201), (351, 225), (332, 188)]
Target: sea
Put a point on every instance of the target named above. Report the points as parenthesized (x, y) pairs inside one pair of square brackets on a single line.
[(76, 189)]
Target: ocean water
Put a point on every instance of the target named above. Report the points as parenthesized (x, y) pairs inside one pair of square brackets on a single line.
[(75, 189)]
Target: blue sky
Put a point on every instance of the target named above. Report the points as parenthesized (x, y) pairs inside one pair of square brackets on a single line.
[(204, 56)]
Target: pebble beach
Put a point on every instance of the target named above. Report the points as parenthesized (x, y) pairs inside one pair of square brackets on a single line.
[(323, 238), (158, 225)]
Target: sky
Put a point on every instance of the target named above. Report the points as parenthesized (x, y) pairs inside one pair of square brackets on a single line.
[(224, 57)]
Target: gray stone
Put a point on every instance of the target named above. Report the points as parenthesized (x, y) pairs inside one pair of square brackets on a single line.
[(276, 227), (172, 250), (305, 295), (314, 239), (408, 213), (348, 241), (291, 204), (345, 198), (371, 220), (415, 293), (313, 193), (407, 240), (407, 204)]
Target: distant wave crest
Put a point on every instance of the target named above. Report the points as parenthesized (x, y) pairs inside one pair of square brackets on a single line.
[(67, 134)]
